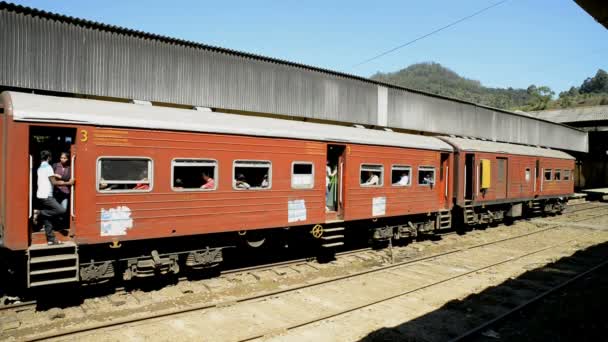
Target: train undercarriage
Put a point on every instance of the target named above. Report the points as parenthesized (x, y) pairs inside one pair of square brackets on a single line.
[(127, 260)]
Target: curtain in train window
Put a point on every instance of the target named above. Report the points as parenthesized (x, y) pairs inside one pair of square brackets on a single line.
[(527, 175), (115, 174), (252, 174), (566, 175), (371, 175), (302, 175), (401, 175), (194, 174)]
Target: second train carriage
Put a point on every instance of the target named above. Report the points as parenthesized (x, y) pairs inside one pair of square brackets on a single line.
[(496, 181), (137, 209)]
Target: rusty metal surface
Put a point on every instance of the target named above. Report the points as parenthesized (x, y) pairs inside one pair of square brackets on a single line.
[(45, 51)]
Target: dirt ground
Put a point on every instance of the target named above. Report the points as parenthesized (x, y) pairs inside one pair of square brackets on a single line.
[(378, 322), (575, 313), (415, 317)]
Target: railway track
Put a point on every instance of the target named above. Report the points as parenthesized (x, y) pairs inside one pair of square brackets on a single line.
[(258, 297), (478, 330)]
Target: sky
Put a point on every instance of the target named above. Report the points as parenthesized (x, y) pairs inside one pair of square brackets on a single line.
[(518, 43)]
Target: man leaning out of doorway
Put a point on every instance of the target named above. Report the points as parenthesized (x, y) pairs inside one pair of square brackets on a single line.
[(50, 208)]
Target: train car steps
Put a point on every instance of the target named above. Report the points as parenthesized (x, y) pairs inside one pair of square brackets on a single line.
[(54, 264)]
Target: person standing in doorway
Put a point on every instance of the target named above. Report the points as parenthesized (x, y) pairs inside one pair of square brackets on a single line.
[(63, 173), (50, 207)]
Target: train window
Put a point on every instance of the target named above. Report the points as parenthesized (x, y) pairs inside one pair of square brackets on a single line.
[(302, 175), (124, 174), (557, 175), (251, 174), (527, 175), (566, 175), (401, 175), (371, 175), (193, 174), (548, 174), (426, 175)]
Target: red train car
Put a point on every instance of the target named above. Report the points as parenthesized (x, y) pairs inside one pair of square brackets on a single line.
[(498, 180), (141, 205)]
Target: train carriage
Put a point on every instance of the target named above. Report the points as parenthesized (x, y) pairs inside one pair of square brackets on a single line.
[(496, 180), (137, 208)]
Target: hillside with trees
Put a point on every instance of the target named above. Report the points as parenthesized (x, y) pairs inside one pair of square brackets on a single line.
[(437, 79)]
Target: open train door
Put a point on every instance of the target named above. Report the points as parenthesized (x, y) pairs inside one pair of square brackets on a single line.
[(537, 178), (336, 164), (72, 203), (443, 183)]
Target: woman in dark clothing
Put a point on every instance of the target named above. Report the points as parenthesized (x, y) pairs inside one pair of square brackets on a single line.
[(62, 172)]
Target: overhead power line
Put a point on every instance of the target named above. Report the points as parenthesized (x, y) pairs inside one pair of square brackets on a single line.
[(430, 33)]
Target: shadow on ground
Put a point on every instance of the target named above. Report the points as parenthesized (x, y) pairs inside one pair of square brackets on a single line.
[(576, 312)]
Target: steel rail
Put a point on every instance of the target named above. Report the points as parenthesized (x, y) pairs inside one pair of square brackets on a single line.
[(200, 307), (478, 329), (265, 267), (385, 299), (15, 306)]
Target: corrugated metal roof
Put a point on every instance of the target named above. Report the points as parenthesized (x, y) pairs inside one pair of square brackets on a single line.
[(40, 108), (47, 51), (175, 41), (475, 145), (570, 115)]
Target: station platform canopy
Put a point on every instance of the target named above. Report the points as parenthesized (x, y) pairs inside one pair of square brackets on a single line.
[(57, 54)]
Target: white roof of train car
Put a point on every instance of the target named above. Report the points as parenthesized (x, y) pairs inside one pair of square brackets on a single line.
[(475, 145), (41, 108)]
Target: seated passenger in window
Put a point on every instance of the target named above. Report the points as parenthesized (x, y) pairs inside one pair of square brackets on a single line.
[(178, 184), (404, 180), (208, 182), (265, 183), (103, 185), (241, 182), (372, 179), (428, 178), (144, 183)]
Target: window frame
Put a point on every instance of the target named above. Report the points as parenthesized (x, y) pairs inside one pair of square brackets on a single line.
[(556, 172), (402, 167), (124, 191), (430, 168), (550, 177), (232, 181), (567, 172), (215, 175), (380, 178), (312, 184)]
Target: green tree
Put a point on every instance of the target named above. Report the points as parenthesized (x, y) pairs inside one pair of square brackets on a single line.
[(596, 84), (539, 97)]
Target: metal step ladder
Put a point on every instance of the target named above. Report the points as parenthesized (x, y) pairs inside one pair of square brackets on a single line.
[(54, 264), (536, 208), (332, 237), (444, 219), (469, 213)]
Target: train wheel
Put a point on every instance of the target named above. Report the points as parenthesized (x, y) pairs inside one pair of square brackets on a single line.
[(253, 238)]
